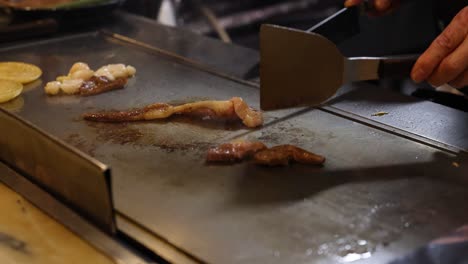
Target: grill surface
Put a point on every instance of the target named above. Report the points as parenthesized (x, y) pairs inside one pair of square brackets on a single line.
[(378, 196)]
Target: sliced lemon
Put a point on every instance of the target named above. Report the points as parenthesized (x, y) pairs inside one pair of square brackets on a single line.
[(9, 90), (19, 72)]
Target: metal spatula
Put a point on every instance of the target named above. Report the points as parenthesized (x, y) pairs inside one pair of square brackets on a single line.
[(299, 68)]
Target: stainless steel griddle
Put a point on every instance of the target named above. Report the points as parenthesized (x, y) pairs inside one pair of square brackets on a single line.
[(383, 192)]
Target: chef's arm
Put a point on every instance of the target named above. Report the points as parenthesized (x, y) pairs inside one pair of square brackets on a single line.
[(446, 59)]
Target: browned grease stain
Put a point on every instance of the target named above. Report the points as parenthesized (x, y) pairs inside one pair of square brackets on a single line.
[(81, 143), (277, 135), (124, 134), (120, 134), (169, 146)]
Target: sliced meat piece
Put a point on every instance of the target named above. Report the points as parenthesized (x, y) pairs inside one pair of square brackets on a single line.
[(232, 152), (154, 111), (250, 117), (116, 116), (282, 155), (210, 109), (101, 84), (272, 158), (205, 109)]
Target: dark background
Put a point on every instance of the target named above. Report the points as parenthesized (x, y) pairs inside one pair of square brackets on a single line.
[(408, 30)]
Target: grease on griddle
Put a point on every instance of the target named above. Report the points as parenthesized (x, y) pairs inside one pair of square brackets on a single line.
[(118, 133), (287, 130), (170, 147), (126, 134), (81, 143)]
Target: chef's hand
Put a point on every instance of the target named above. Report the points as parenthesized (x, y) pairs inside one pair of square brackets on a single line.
[(446, 60)]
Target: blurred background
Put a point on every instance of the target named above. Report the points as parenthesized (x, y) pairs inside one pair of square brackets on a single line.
[(234, 21), (409, 30)]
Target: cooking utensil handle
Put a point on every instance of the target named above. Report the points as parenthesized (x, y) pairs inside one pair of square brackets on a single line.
[(398, 67), (375, 68)]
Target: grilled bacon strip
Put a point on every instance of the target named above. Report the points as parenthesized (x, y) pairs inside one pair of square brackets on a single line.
[(284, 154), (233, 152), (281, 155), (232, 109)]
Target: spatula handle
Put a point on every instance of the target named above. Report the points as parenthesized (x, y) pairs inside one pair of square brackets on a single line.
[(375, 68), (399, 67)]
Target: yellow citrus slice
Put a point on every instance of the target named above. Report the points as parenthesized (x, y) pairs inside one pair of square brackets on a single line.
[(19, 72), (9, 90)]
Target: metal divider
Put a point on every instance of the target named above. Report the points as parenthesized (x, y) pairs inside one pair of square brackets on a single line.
[(82, 182)]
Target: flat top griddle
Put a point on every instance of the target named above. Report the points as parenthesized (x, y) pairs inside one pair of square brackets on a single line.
[(379, 195)]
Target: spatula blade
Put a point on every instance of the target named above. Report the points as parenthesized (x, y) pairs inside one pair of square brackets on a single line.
[(297, 68)]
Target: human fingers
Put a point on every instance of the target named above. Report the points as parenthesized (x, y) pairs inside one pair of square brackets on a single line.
[(441, 47), (452, 66), (461, 81)]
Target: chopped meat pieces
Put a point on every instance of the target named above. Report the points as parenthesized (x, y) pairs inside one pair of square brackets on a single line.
[(81, 80), (233, 109), (236, 151)]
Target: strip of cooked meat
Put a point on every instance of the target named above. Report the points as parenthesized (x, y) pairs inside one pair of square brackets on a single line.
[(282, 155), (262, 155), (208, 109), (249, 116), (101, 84), (232, 152), (233, 109)]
